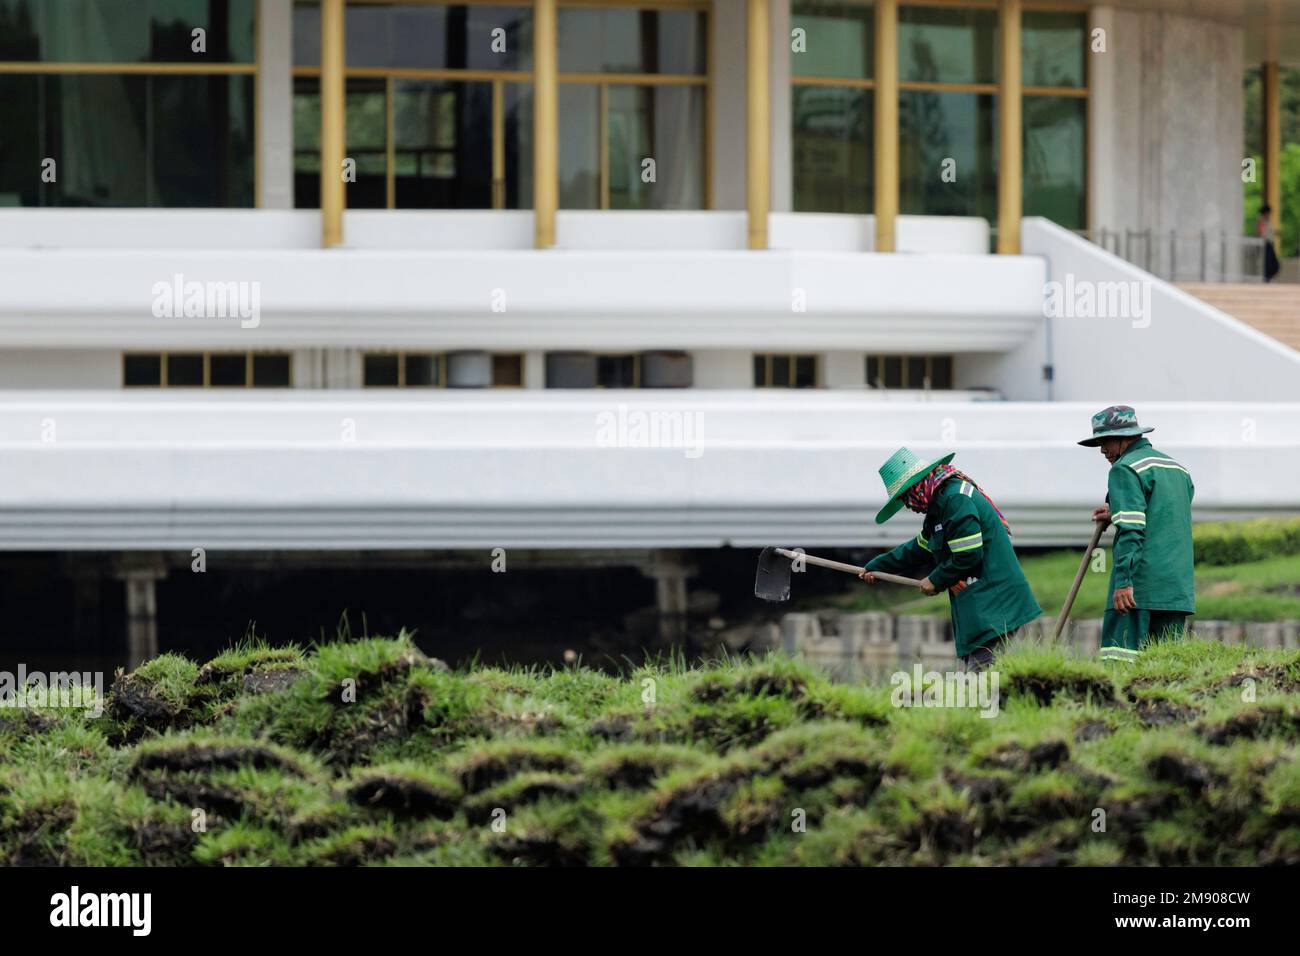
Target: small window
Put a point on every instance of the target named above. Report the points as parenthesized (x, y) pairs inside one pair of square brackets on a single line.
[(271, 371), (142, 371), (228, 371), (381, 371), (570, 370), (666, 370), (421, 370), (909, 371), (785, 371), (508, 371), (616, 371), (185, 370), (469, 370)]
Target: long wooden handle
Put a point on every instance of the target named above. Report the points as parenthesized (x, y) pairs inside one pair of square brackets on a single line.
[(848, 568), (1078, 579)]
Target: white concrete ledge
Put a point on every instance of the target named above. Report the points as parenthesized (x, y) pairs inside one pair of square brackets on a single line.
[(550, 470)]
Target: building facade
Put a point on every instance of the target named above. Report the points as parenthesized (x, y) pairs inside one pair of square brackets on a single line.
[(608, 277)]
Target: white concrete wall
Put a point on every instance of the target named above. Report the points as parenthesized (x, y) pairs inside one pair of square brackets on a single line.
[(1165, 132), (1177, 348), (60, 368), (447, 469)]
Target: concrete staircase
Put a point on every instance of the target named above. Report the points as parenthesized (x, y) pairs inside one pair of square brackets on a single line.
[(1274, 309)]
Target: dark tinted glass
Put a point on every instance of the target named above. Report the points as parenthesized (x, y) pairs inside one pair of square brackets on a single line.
[(519, 146), (228, 370), (805, 371), (780, 370), (443, 144), (1055, 159), (127, 31), (627, 40), (306, 142), (833, 161), (941, 371), (142, 370), (507, 370), (271, 371), (916, 371), (421, 370), (616, 371), (760, 371), (893, 371), (1052, 48), (934, 127), (838, 39), (184, 369), (366, 142), (380, 371), (579, 146), (433, 36), (947, 44), (179, 141)]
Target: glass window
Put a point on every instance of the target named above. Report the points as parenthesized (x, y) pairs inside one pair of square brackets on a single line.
[(663, 124), (935, 126), (443, 149), (127, 140), (508, 371), (381, 371), (228, 370), (785, 371), (628, 40), (432, 36), (616, 371), (518, 146), (1055, 159), (941, 371), (839, 39), (366, 142), (421, 370), (306, 142), (832, 149), (142, 370), (127, 31), (271, 371), (1053, 48), (947, 44), (185, 370), (579, 146)]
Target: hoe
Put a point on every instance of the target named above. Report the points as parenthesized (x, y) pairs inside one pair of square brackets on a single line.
[(772, 582)]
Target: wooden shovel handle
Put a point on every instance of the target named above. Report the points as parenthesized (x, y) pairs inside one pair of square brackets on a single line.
[(849, 568), (1078, 579)]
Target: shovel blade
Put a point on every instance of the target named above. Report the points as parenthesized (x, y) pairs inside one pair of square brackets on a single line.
[(772, 581)]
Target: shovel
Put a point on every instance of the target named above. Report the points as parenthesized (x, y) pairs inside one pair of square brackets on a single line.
[(772, 582), (1078, 580)]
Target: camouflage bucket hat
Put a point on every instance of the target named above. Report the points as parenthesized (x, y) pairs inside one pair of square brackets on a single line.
[(1114, 422)]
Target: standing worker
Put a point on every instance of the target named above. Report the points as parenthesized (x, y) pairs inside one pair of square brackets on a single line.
[(967, 543), (1149, 500)]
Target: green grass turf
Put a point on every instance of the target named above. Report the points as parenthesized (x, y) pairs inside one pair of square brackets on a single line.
[(368, 752)]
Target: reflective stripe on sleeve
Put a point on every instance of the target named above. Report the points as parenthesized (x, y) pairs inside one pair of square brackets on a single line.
[(968, 543)]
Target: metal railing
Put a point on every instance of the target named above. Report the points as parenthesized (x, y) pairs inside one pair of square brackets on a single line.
[(1202, 257)]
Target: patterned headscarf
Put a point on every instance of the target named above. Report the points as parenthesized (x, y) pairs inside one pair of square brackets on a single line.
[(918, 497)]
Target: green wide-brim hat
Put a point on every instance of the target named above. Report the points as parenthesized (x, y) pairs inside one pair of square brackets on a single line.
[(900, 473), (1118, 421)]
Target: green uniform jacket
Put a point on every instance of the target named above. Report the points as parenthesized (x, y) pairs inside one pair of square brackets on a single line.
[(966, 549), (1150, 497)]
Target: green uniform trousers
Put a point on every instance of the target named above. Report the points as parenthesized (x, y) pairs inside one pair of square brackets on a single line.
[(1124, 636)]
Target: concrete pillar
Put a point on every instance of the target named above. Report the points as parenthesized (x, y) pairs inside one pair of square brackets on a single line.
[(758, 123), (669, 570), (141, 612), (1009, 145), (332, 135), (546, 123), (275, 104), (534, 369), (886, 126)]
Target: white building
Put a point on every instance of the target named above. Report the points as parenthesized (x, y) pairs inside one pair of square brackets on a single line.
[(605, 281)]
